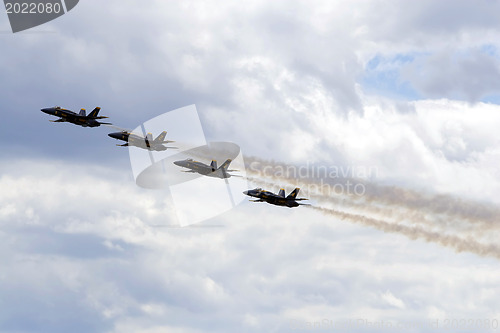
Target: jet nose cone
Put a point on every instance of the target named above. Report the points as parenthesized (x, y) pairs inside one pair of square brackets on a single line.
[(46, 110), (245, 192), (114, 135), (177, 163)]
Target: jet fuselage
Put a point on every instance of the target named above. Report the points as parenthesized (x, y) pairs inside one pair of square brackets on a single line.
[(203, 169), (72, 117), (138, 141), (275, 199)]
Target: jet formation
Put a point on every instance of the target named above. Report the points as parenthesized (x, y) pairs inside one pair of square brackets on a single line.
[(157, 144)]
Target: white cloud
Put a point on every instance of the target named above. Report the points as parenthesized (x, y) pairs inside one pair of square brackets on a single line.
[(448, 73), (392, 300), (265, 267)]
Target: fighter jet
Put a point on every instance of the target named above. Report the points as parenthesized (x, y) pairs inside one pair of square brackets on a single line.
[(276, 199), (207, 170), (80, 119), (146, 142)]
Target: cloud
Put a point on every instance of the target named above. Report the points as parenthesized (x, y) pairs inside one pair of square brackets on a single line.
[(392, 300), (447, 73), (422, 24), (266, 64), (265, 267)]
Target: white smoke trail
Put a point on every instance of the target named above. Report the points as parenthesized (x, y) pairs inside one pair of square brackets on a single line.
[(455, 242), (437, 204), (452, 222)]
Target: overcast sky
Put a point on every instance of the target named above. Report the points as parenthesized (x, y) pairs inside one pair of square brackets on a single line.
[(409, 90)]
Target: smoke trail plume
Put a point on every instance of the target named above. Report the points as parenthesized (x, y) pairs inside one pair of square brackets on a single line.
[(443, 219), (457, 243), (322, 180)]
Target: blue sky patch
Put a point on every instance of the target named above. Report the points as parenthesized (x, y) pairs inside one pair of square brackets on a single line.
[(383, 76)]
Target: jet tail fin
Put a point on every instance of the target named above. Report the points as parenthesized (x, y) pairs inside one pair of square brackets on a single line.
[(213, 165), (225, 165), (83, 112), (161, 137), (148, 139), (293, 194), (281, 193), (94, 112)]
